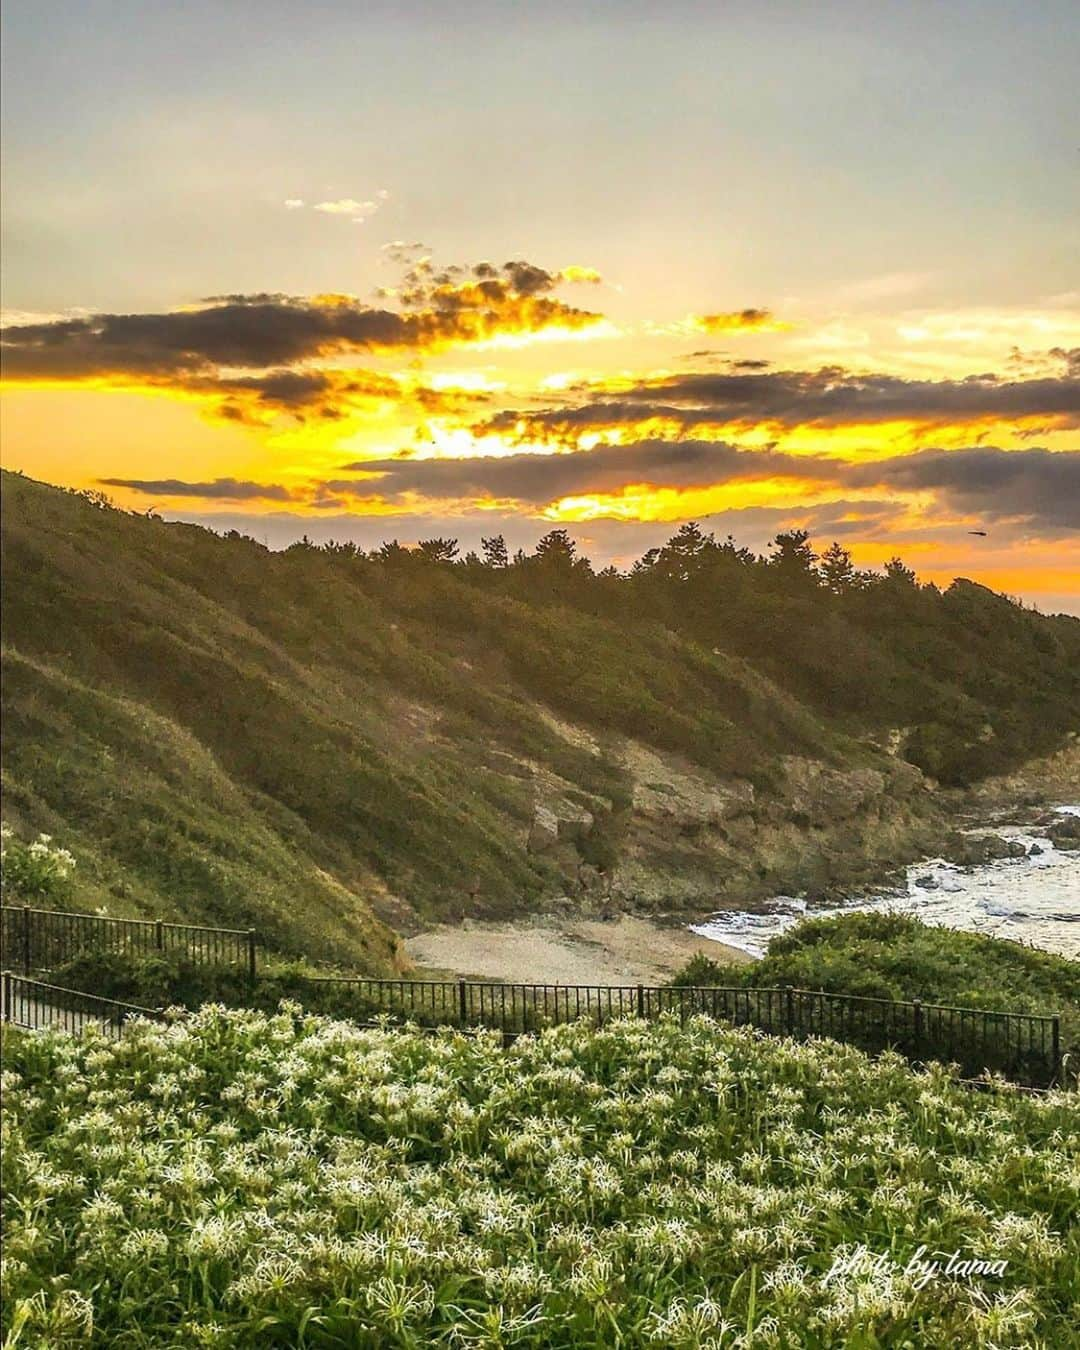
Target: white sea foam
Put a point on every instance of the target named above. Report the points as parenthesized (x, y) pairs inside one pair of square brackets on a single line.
[(1035, 899)]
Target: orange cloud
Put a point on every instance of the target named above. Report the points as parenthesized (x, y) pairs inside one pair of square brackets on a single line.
[(648, 502), (254, 359), (583, 275), (737, 321)]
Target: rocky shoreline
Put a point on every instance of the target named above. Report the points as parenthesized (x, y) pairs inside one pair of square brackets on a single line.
[(691, 846)]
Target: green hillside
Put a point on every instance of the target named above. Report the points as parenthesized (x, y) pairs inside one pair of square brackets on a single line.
[(329, 746)]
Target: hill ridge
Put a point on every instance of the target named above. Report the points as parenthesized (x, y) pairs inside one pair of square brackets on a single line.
[(332, 744)]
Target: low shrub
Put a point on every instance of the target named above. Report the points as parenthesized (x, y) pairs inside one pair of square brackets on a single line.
[(898, 956)]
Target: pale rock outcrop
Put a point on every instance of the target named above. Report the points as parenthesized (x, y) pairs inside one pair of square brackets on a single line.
[(819, 796), (664, 791), (544, 834), (558, 821)]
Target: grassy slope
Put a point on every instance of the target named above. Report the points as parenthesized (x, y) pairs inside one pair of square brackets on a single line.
[(237, 736)]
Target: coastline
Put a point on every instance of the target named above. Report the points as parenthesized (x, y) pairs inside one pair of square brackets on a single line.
[(633, 948)]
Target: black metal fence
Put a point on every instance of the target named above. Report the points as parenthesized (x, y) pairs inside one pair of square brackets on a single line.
[(1024, 1047), (42, 939), (35, 1006)]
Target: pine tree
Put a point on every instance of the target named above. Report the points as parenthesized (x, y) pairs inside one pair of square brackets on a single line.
[(495, 551), (685, 551), (899, 574), (557, 549), (792, 556), (438, 550), (837, 570)]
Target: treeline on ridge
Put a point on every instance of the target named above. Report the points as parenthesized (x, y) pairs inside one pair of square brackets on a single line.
[(977, 681)]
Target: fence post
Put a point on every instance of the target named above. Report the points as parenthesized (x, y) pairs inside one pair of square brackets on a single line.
[(159, 936), (789, 1009), (641, 1000), (1055, 1035), (463, 1001), (251, 954), (916, 1007), (26, 939), (7, 995)]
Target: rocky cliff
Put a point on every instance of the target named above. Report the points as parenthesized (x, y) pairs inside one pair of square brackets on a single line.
[(689, 841)]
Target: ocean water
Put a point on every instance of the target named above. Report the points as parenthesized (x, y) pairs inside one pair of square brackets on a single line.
[(1034, 900)]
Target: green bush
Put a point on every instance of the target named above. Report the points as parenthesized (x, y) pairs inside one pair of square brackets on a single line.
[(175, 981), (899, 957)]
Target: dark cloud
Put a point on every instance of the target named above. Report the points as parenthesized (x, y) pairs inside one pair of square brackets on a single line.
[(720, 358), (305, 393), (539, 479), (223, 489), (243, 332), (527, 279), (284, 388), (1037, 484), (253, 332), (1037, 488), (830, 396), (400, 251)]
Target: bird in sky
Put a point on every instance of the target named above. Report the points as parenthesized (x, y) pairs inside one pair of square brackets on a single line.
[(981, 533)]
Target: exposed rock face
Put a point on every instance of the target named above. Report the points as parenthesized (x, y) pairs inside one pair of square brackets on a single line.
[(818, 796), (695, 841), (665, 791), (681, 840), (970, 850), (575, 825), (1065, 832), (558, 821), (1049, 779), (544, 834)]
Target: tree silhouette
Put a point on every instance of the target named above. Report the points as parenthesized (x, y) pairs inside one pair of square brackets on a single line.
[(495, 551), (438, 550), (685, 552), (899, 574), (557, 550), (837, 570), (793, 559)]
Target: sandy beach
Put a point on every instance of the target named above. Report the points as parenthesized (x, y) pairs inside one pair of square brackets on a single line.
[(626, 950)]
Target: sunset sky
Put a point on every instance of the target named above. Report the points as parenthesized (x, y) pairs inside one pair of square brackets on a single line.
[(371, 271)]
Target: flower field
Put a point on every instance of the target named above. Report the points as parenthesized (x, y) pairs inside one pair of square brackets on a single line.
[(240, 1179)]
